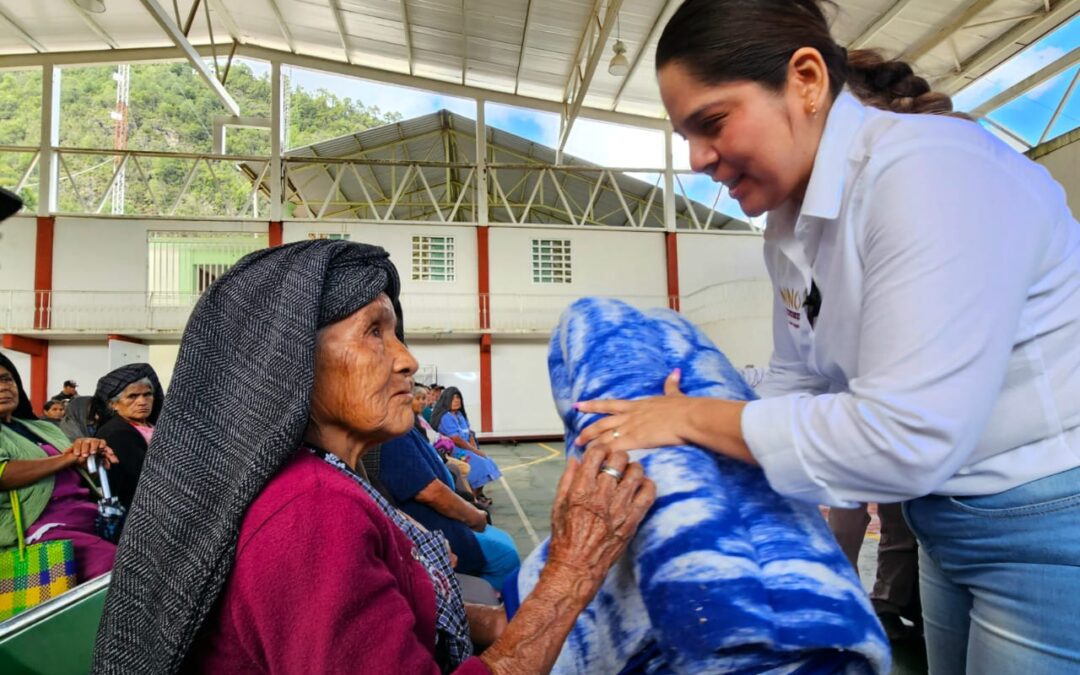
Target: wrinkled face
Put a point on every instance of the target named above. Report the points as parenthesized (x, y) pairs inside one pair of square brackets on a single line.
[(135, 402), (455, 403), (418, 402), (9, 394), (758, 143), (56, 412), (363, 375)]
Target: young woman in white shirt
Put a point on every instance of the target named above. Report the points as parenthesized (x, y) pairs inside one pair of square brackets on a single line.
[(927, 321)]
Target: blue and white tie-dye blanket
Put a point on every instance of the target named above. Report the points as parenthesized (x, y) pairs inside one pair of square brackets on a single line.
[(725, 575)]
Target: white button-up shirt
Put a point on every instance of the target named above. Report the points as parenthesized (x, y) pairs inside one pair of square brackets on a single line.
[(946, 355)]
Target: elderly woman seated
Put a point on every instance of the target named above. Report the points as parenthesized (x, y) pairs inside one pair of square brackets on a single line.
[(255, 544), (128, 402), (47, 473), (420, 482), (451, 420)]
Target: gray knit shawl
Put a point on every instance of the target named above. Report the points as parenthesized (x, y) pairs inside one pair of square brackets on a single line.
[(236, 412)]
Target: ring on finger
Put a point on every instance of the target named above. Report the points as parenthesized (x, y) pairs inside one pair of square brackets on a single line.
[(614, 473), (614, 433)]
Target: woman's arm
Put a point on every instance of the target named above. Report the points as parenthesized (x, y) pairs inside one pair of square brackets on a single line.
[(671, 419), (22, 472), (594, 517), (448, 503)]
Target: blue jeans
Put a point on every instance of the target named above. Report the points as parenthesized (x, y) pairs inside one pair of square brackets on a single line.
[(1000, 579)]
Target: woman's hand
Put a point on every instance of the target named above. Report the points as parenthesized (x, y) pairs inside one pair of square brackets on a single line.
[(478, 520), (594, 517), (671, 419), (83, 448), (647, 423)]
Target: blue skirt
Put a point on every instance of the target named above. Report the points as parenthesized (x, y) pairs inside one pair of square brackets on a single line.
[(482, 470)]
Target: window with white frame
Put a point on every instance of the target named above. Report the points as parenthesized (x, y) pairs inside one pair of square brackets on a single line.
[(551, 261), (432, 258)]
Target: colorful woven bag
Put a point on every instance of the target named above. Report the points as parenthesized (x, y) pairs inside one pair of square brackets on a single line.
[(30, 575)]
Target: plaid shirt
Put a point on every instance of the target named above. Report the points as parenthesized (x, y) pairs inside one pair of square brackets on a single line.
[(431, 551)]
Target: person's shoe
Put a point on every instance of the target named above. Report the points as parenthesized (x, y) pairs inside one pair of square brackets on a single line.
[(895, 628)]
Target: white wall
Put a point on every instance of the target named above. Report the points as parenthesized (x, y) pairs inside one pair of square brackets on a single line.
[(708, 259), (605, 262), (397, 240), (17, 244), (163, 359), (110, 254), (726, 291), (520, 387), (458, 364), (83, 362)]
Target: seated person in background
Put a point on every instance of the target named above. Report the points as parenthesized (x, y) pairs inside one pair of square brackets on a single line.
[(48, 474), (450, 419), (459, 469), (54, 411), (128, 401), (422, 486), (77, 422), (432, 398)]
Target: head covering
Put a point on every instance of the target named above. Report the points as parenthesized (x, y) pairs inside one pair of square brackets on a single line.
[(24, 410), (10, 203), (77, 420), (115, 382), (442, 406), (249, 347)]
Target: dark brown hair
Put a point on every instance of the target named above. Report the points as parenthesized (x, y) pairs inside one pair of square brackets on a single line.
[(721, 41)]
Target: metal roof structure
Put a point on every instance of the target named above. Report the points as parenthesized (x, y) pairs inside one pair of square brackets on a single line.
[(422, 169), (544, 54)]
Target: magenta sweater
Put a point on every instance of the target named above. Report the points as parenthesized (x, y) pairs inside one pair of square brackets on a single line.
[(323, 582)]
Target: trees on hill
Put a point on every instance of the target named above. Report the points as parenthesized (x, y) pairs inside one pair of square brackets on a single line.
[(170, 110)]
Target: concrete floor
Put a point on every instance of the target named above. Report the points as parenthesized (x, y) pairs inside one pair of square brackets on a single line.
[(523, 509)]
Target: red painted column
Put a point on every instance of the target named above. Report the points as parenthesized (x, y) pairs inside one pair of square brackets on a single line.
[(39, 366), (671, 243), (43, 271), (276, 233), (484, 290)]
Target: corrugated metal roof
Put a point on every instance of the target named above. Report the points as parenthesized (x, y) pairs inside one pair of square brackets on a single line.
[(527, 47), (429, 138)]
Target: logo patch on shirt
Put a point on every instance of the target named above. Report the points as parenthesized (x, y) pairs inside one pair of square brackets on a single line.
[(793, 300)]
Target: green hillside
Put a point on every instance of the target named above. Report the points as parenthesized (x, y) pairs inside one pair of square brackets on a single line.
[(170, 110)]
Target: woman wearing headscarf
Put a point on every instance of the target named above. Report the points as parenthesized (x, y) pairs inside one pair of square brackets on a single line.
[(78, 422), (255, 543), (128, 401), (451, 420), (47, 473)]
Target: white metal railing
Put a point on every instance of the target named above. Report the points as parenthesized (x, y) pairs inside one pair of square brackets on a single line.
[(177, 184), (18, 166), (425, 313)]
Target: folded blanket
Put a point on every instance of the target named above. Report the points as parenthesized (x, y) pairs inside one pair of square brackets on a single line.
[(724, 575)]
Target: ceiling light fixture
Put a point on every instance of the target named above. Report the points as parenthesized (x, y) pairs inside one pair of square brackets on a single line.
[(619, 65), (95, 6)]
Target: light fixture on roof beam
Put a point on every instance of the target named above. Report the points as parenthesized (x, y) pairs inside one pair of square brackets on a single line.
[(96, 6), (619, 65)]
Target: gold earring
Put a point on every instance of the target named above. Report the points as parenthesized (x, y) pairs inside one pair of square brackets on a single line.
[(813, 109)]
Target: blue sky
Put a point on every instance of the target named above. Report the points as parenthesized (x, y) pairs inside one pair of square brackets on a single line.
[(627, 147)]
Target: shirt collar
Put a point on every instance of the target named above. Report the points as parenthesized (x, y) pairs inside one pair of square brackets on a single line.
[(825, 192)]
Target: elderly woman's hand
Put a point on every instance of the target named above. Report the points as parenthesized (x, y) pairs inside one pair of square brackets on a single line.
[(83, 448), (595, 516)]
